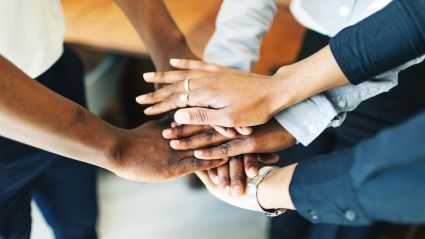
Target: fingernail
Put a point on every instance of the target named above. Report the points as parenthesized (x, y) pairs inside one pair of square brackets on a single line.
[(182, 117), (227, 190), (216, 180), (198, 153), (140, 99), (167, 132), (174, 61), (148, 75), (252, 172), (236, 190), (174, 143)]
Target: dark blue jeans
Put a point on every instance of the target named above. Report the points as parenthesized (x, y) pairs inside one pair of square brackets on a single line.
[(64, 189), (369, 118)]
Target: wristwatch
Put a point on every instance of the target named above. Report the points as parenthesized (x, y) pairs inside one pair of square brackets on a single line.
[(252, 193)]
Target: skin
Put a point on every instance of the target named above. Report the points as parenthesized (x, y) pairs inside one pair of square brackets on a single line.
[(220, 96), (242, 151), (272, 192), (139, 154)]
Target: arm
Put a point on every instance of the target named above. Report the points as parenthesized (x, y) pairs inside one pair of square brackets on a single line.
[(362, 55), (34, 115), (162, 37), (240, 27), (380, 179), (309, 118)]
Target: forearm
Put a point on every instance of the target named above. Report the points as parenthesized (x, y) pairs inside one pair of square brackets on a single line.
[(299, 81), (347, 187), (35, 115), (362, 55), (273, 191), (162, 37)]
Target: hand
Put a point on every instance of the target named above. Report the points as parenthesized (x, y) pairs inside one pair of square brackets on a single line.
[(143, 155), (229, 97), (231, 177), (267, 138), (272, 192), (238, 201)]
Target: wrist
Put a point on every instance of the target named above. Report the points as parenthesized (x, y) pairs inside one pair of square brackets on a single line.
[(176, 48), (311, 76), (273, 191)]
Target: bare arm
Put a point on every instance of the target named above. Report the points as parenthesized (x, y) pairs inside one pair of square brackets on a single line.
[(162, 37), (35, 115)]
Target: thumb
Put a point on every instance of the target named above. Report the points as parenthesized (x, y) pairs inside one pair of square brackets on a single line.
[(197, 116)]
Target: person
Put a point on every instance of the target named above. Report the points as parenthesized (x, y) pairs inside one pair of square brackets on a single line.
[(369, 118), (41, 106)]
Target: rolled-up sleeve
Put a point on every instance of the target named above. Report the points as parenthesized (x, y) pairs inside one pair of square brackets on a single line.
[(240, 27), (380, 179), (389, 38)]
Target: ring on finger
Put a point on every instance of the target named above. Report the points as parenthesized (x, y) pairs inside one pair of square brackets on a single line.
[(184, 97)]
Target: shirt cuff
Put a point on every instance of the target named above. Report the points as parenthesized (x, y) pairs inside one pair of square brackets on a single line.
[(323, 192), (307, 119)]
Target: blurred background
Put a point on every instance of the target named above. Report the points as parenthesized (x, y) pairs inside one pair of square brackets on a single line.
[(115, 59)]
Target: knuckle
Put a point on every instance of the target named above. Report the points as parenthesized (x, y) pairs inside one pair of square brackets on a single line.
[(225, 179), (188, 140), (210, 135), (237, 178), (224, 149), (201, 116)]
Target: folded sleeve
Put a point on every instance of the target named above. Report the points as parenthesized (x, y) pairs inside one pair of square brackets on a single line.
[(240, 27), (383, 41), (379, 179)]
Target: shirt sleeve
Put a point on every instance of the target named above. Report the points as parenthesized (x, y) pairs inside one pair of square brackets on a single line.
[(379, 179), (387, 39), (240, 27)]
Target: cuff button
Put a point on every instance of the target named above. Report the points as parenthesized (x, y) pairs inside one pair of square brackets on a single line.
[(314, 215), (350, 215)]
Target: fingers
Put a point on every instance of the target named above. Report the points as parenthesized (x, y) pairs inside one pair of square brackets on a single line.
[(237, 175), (244, 130), (225, 150), (197, 116), (251, 165), (190, 165), (227, 132), (212, 173), (193, 65), (210, 137), (203, 176), (160, 95), (268, 158), (183, 131), (224, 178), (170, 77)]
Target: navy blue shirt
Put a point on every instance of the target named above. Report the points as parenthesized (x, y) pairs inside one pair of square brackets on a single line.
[(382, 178), (387, 39)]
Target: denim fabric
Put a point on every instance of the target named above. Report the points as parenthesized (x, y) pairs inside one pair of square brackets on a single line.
[(64, 189)]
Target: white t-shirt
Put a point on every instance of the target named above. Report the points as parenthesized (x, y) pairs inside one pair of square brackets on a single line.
[(31, 33)]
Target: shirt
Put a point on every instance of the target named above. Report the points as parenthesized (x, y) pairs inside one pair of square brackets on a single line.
[(362, 55), (381, 179), (31, 34), (240, 27)]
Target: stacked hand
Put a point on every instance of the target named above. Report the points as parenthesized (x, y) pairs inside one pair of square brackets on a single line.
[(213, 104), (218, 95), (142, 155), (246, 152)]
